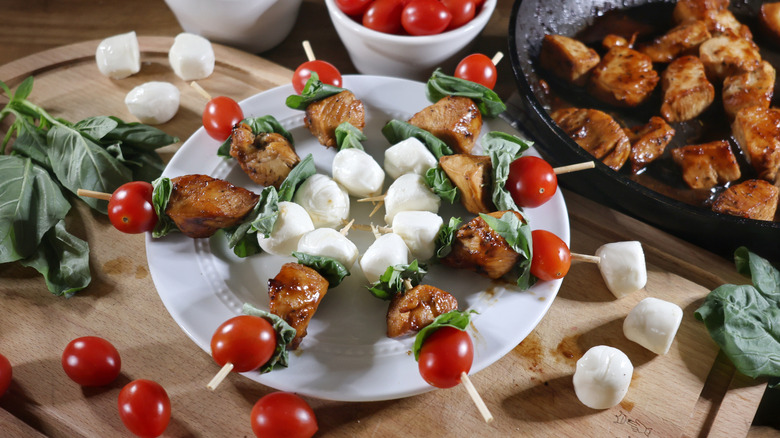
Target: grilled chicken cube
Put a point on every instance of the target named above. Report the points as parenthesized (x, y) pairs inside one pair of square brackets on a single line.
[(757, 132), (613, 40), (199, 205), (769, 19), (473, 176), (295, 294), (267, 157), (687, 92), (596, 132), (416, 308), (689, 10), (681, 40), (708, 164), (455, 120), (324, 116), (752, 199), (567, 58), (648, 142), (624, 77), (754, 88), (478, 248), (727, 55)]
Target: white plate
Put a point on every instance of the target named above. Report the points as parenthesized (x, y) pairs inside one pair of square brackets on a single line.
[(346, 354)]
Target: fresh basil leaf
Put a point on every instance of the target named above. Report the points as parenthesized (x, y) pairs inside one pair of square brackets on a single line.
[(138, 135), (96, 127), (348, 136), (266, 212), (503, 149), (284, 335), (23, 90), (397, 130), (392, 281), (441, 184), (163, 187), (116, 151), (453, 318), (440, 85), (313, 91), (7, 90), (765, 277), (446, 236), (331, 269), (31, 142), (149, 165), (517, 234), (258, 125), (296, 177), (63, 260), (243, 244)]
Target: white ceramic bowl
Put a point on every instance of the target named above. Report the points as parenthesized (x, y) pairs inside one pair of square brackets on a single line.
[(412, 57), (251, 25)]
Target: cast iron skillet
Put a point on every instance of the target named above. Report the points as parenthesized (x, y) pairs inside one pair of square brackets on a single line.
[(530, 21)]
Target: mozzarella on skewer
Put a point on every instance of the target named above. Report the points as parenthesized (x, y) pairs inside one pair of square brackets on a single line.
[(191, 57), (653, 323), (418, 229), (409, 193), (387, 250), (622, 264), (292, 223), (328, 242), (153, 102), (358, 172), (326, 201), (602, 377), (408, 156), (119, 56)]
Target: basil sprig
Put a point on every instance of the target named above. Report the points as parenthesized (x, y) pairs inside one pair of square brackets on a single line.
[(349, 137), (503, 149), (331, 269), (313, 91), (454, 318), (284, 335), (441, 184), (517, 234), (440, 85), (258, 125), (445, 237), (392, 281), (397, 130)]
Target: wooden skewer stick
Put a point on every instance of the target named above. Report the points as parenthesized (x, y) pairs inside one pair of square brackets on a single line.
[(308, 50), (372, 198), (376, 208), (483, 409), (585, 258), (93, 194), (220, 376), (200, 90), (574, 167), (372, 227), (497, 58), (344, 231)]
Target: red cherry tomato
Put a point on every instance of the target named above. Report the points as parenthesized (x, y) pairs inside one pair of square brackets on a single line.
[(425, 17), (384, 16), (283, 414), (246, 341), (130, 208), (551, 256), (444, 356), (220, 115), (91, 361), (531, 181), (462, 11), (477, 68), (144, 408), (6, 373), (353, 7), (327, 73)]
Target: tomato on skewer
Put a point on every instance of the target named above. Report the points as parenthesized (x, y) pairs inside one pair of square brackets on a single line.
[(445, 356), (551, 256), (477, 68), (531, 182), (245, 341), (220, 115), (130, 208), (327, 73)]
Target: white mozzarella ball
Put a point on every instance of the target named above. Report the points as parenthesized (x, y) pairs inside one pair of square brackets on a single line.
[(387, 250), (602, 377), (292, 223), (153, 102), (326, 201), (358, 172), (408, 156), (622, 264), (653, 323), (191, 57), (328, 242), (419, 230), (409, 193), (119, 56)]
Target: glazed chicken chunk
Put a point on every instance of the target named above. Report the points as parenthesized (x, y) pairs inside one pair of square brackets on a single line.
[(267, 157), (757, 131), (472, 174), (324, 116), (199, 205), (624, 77), (477, 247), (705, 165), (727, 54), (752, 199), (769, 19), (596, 132), (416, 308), (687, 92), (754, 88), (681, 40), (456, 120), (295, 295), (567, 58), (648, 142), (714, 13)]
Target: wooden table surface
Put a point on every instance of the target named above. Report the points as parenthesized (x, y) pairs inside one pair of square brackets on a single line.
[(529, 390)]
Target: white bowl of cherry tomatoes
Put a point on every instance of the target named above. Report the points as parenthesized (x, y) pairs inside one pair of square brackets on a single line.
[(407, 38)]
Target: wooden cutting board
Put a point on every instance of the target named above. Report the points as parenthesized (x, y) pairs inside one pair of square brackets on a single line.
[(691, 391)]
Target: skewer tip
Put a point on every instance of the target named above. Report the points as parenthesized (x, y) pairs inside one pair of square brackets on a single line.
[(220, 376)]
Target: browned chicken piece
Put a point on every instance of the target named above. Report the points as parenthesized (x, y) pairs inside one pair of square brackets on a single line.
[(687, 92), (757, 132), (769, 20), (567, 58), (752, 199), (473, 176), (295, 294), (727, 55), (324, 116), (596, 132), (754, 88), (478, 248), (683, 39), (624, 77), (416, 308), (199, 205), (455, 120), (612, 40), (648, 142), (714, 13), (267, 157), (708, 164)]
